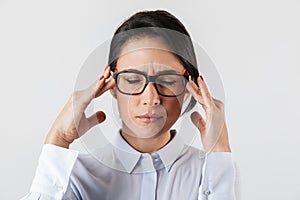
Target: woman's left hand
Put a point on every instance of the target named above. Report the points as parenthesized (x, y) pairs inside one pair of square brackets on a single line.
[(213, 129)]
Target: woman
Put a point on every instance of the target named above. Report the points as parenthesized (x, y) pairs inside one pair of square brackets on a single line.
[(151, 73)]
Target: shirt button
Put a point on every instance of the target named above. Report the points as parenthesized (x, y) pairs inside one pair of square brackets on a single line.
[(206, 192)]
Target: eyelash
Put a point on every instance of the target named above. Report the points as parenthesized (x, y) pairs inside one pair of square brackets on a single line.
[(132, 81), (168, 82)]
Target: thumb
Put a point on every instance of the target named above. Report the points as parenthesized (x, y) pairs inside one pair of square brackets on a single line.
[(199, 122), (96, 118)]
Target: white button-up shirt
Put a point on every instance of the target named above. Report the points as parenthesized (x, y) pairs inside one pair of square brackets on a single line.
[(118, 172)]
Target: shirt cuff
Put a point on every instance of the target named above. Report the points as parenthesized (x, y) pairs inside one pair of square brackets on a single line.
[(53, 171), (218, 177)]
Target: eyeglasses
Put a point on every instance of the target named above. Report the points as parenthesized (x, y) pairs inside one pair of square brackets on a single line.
[(166, 84)]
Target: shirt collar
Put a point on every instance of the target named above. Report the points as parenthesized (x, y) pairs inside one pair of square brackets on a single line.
[(129, 157)]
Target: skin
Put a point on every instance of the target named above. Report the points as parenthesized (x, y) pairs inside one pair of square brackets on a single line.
[(143, 136)]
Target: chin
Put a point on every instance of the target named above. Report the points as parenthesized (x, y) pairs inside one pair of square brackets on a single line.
[(144, 131)]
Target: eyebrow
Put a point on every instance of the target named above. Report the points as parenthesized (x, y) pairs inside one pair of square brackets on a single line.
[(161, 72)]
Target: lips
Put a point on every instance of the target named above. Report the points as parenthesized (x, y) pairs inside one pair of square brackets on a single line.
[(149, 118)]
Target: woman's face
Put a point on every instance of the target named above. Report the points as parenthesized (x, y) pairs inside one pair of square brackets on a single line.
[(148, 115)]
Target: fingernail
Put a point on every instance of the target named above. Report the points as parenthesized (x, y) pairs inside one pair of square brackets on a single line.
[(107, 66), (101, 77), (201, 77)]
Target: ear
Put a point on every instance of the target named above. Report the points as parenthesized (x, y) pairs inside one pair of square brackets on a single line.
[(113, 92)]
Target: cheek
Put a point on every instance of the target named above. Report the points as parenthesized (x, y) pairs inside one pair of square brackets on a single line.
[(126, 104), (173, 106), (177, 101)]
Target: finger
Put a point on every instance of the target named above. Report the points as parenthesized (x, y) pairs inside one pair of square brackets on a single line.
[(219, 103), (109, 84), (103, 79), (83, 98), (195, 91), (100, 86), (199, 122), (207, 98), (96, 118), (107, 72)]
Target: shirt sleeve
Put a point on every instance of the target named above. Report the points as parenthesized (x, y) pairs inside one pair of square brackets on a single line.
[(52, 174), (219, 177)]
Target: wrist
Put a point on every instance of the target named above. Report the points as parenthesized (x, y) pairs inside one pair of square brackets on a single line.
[(55, 139), (221, 148), (222, 144)]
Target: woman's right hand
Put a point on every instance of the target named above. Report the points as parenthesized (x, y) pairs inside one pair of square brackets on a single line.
[(71, 121)]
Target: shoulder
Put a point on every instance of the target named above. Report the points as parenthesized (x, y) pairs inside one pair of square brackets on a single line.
[(193, 152), (191, 158), (101, 159)]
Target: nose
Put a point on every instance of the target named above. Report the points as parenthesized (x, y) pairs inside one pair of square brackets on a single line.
[(150, 97)]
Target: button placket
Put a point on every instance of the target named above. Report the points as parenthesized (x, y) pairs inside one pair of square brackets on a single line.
[(147, 163), (149, 180)]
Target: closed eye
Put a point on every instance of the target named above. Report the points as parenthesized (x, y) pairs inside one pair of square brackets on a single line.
[(165, 82), (133, 81)]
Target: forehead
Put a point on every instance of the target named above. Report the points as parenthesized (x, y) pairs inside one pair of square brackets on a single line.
[(149, 55)]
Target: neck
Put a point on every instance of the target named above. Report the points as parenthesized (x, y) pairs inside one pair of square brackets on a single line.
[(147, 145)]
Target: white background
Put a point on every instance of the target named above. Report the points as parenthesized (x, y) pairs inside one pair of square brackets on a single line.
[(254, 44)]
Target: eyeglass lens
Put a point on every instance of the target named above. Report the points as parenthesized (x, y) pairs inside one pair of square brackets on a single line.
[(166, 84)]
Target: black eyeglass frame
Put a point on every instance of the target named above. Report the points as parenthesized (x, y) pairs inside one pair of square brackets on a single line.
[(151, 79)]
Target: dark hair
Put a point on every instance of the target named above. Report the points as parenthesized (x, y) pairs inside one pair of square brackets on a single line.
[(157, 23)]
